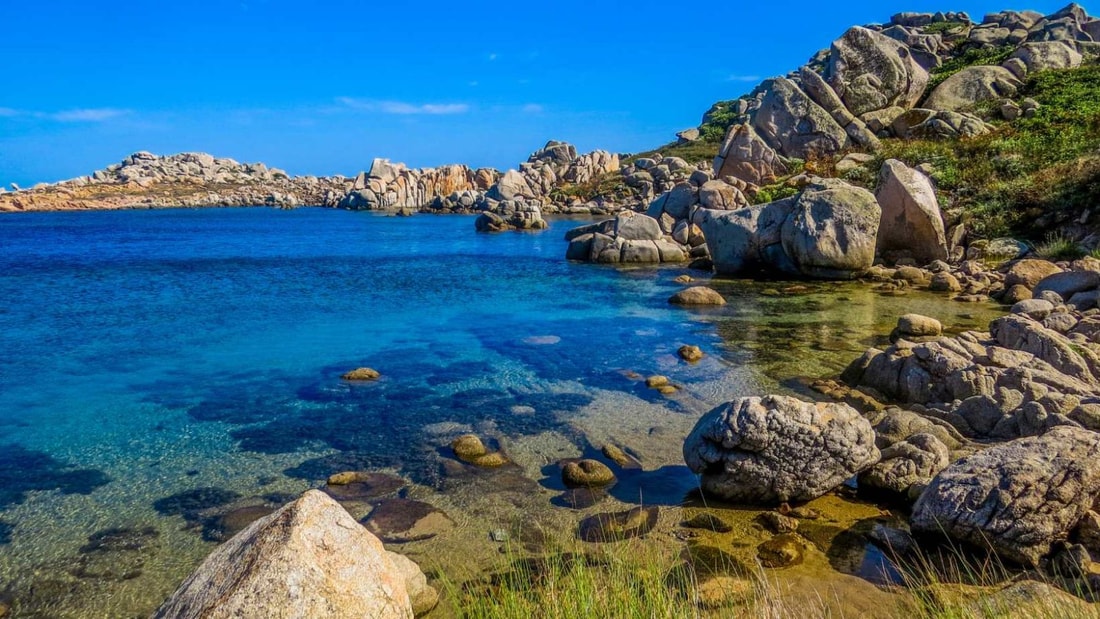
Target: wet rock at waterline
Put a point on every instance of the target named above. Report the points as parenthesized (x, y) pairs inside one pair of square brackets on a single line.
[(697, 295), (828, 231), (399, 521), (361, 374), (777, 448), (309, 559), (619, 526), (422, 596), (620, 457), (1017, 498), (586, 474), (707, 522), (691, 354), (469, 449), (781, 551), (907, 463), (362, 485)]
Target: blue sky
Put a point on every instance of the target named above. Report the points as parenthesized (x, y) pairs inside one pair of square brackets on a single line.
[(322, 87)]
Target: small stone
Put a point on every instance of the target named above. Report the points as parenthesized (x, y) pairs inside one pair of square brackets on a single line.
[(945, 282), (778, 523), (691, 354), (1016, 293), (707, 522), (361, 374), (620, 457), (498, 535), (469, 449), (919, 326), (697, 295), (586, 474), (684, 279), (614, 527), (655, 382), (780, 551), (667, 389)]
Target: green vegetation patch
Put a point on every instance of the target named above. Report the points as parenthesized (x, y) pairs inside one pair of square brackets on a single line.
[(1028, 175), (970, 58)]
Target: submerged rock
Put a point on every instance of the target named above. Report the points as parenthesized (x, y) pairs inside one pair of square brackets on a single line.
[(1018, 498), (776, 449), (471, 450), (309, 559), (422, 596), (399, 521), (362, 374), (697, 295), (586, 474), (691, 354), (707, 522), (615, 527), (781, 551)]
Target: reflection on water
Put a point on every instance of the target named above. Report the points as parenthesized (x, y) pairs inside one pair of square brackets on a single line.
[(170, 376)]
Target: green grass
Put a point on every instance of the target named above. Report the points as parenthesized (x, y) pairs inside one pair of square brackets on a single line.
[(634, 580), (969, 58), (942, 27), (1057, 248), (1028, 176)]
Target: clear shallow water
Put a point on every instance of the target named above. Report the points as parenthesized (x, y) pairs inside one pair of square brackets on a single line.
[(145, 355)]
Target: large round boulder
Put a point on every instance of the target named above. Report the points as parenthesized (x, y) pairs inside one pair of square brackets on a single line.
[(1017, 498), (973, 85), (775, 449), (832, 231), (789, 120), (871, 71)]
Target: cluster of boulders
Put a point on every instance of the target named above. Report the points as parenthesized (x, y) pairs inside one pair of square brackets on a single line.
[(1037, 368), (393, 186), (648, 177), (145, 180), (629, 238), (874, 82)]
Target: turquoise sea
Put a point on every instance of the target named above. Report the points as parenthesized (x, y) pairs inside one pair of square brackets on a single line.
[(159, 368)]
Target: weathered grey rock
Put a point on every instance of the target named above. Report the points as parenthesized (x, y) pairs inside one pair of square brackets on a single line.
[(973, 85), (775, 449), (871, 72), (913, 461), (794, 125), (631, 226), (747, 239), (1036, 309), (422, 596), (745, 155), (911, 218), (511, 186), (721, 196), (308, 559), (832, 231), (1048, 55), (1017, 498), (1068, 283)]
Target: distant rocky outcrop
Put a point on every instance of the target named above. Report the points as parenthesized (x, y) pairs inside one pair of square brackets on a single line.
[(309, 559), (145, 180), (629, 238), (393, 186)]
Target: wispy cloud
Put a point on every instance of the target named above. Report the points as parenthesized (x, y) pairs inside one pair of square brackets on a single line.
[(90, 115), (742, 78), (403, 108), (533, 108), (492, 56), (81, 115)]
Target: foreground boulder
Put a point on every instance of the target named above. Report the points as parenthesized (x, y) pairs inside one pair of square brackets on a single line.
[(309, 559), (775, 449), (1018, 498)]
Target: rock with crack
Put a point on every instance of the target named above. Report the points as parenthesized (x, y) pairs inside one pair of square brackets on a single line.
[(1017, 498), (777, 449)]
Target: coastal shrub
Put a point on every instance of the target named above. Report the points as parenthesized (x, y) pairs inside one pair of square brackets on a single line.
[(771, 193), (1031, 175), (1057, 247), (942, 27), (719, 118)]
